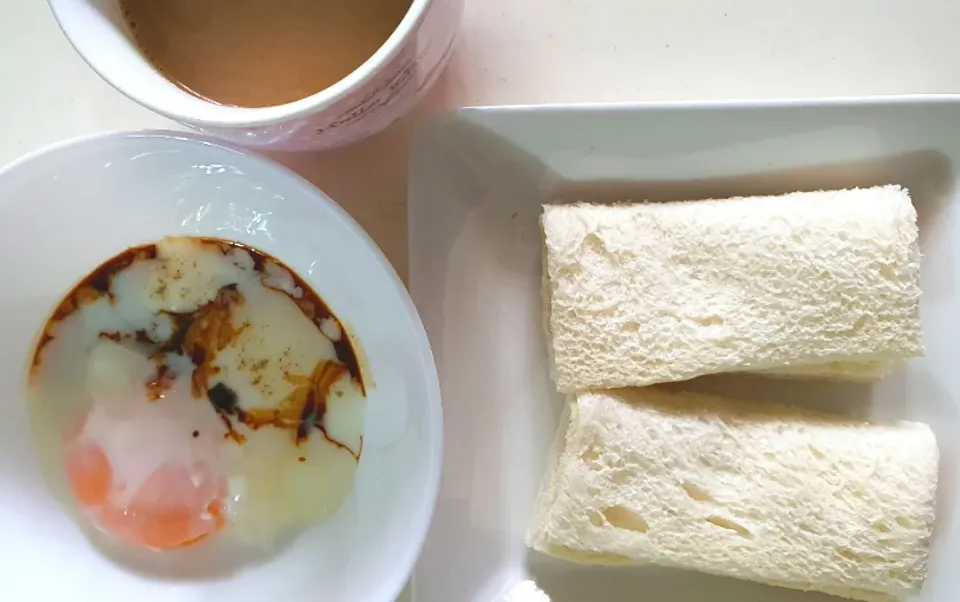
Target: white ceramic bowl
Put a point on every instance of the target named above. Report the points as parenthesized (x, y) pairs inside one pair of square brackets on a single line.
[(66, 208), (373, 96)]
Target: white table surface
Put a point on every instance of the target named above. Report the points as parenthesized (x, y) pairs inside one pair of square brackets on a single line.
[(534, 51)]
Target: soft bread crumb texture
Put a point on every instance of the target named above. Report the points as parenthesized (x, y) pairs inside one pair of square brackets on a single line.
[(640, 294), (756, 491), (864, 371), (525, 591)]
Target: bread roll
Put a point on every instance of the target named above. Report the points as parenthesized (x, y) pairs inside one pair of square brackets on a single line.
[(638, 294), (762, 492)]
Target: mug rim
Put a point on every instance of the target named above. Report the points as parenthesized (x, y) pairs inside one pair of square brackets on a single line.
[(243, 117)]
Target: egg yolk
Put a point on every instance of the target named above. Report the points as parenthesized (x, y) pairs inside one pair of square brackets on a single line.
[(175, 506)]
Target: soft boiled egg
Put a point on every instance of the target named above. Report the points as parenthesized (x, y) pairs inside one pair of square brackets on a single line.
[(151, 472), (198, 388)]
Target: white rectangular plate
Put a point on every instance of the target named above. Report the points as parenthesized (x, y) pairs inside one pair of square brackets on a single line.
[(478, 180)]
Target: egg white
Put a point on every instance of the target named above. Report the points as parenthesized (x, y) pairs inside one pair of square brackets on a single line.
[(139, 435)]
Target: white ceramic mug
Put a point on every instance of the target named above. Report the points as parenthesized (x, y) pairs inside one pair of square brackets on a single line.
[(375, 95)]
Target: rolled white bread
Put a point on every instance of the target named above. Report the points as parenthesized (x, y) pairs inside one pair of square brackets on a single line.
[(762, 492), (804, 284)]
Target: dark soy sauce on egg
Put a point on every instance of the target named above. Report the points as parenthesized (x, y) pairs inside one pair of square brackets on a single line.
[(231, 347)]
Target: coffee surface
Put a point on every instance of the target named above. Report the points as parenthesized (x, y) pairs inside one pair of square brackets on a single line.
[(258, 53)]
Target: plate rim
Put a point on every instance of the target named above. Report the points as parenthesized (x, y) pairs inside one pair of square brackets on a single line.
[(798, 102)]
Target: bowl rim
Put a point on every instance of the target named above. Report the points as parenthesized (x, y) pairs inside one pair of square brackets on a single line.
[(393, 585)]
